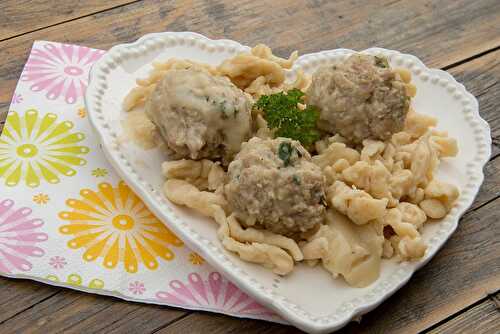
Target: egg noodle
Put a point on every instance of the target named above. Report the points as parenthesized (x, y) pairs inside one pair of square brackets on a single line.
[(379, 195)]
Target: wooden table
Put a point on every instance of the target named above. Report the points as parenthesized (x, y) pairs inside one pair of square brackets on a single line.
[(457, 292)]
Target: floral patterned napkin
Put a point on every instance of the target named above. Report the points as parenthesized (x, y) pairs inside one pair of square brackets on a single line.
[(67, 219)]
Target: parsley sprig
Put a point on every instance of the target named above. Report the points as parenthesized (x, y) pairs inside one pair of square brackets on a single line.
[(285, 151), (282, 113)]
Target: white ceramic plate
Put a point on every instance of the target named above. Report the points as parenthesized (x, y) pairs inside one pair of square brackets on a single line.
[(308, 298)]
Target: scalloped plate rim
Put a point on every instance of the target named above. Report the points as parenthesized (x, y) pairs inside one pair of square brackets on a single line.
[(305, 323)]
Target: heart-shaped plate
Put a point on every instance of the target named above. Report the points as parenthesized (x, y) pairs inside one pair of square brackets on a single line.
[(309, 298)]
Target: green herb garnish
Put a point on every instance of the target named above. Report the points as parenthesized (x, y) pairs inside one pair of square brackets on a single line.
[(285, 152), (282, 113), (223, 109), (381, 61), (222, 106), (296, 180)]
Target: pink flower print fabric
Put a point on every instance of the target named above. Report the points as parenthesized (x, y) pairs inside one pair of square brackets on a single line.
[(19, 237), (16, 99), (60, 70), (137, 288), (57, 262), (216, 292)]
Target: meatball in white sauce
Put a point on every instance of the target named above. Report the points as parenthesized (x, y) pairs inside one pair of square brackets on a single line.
[(200, 115), (273, 184), (359, 98)]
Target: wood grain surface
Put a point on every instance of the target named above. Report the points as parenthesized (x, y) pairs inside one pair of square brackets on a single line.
[(481, 318), (23, 16), (454, 293)]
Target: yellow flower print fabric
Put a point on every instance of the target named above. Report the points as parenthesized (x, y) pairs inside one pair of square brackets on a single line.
[(36, 147), (76, 280), (113, 223), (195, 259), (41, 198)]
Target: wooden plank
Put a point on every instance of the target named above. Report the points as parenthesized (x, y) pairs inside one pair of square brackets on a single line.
[(124, 317), (18, 17), (481, 77), (490, 188), (470, 257), (75, 312), (200, 322), (482, 318), (441, 33), (18, 295)]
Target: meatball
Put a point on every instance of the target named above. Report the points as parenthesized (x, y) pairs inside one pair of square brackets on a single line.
[(359, 98), (273, 184), (200, 115)]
